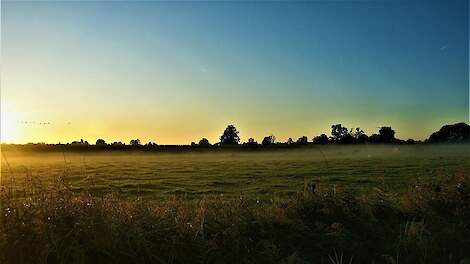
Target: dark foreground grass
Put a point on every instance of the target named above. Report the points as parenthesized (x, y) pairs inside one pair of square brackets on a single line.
[(428, 224)]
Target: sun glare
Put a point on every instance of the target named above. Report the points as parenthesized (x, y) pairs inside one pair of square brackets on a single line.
[(10, 129)]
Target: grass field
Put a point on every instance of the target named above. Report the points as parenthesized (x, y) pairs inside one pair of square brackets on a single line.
[(256, 174), (126, 207), (428, 223)]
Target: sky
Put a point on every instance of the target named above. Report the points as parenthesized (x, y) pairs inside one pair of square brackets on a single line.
[(174, 72)]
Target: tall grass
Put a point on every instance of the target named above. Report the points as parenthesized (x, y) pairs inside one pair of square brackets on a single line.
[(55, 224)]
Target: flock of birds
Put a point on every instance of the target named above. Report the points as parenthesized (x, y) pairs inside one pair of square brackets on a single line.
[(38, 123), (34, 123)]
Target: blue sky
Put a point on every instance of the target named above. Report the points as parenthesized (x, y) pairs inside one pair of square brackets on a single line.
[(174, 72)]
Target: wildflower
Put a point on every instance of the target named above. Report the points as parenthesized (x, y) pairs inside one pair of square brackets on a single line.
[(336, 226)]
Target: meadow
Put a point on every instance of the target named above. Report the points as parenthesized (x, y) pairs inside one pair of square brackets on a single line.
[(372, 204), (256, 174)]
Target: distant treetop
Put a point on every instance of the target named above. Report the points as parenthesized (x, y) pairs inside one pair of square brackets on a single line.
[(302, 140), (455, 133), (268, 140), (100, 142), (230, 136), (81, 142), (387, 134), (204, 142), (251, 142), (135, 142), (321, 139)]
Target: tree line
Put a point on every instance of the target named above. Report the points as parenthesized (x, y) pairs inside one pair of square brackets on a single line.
[(339, 135)]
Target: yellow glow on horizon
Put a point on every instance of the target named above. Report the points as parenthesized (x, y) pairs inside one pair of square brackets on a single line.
[(22, 125), (9, 123)]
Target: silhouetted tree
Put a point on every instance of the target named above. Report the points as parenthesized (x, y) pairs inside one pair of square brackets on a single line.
[(347, 139), (322, 139), (268, 140), (302, 140), (374, 138), (455, 133), (290, 141), (342, 135), (230, 136), (115, 143), (100, 142), (204, 142), (81, 142), (251, 142), (151, 144), (387, 134), (338, 132), (359, 136), (135, 142)]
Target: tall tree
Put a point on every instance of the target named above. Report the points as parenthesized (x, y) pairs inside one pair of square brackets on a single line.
[(387, 134), (359, 135), (338, 132), (230, 136)]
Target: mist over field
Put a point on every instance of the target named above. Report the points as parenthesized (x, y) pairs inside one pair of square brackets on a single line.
[(357, 168)]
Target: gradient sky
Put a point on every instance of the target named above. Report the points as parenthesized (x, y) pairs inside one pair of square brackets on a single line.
[(175, 72)]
